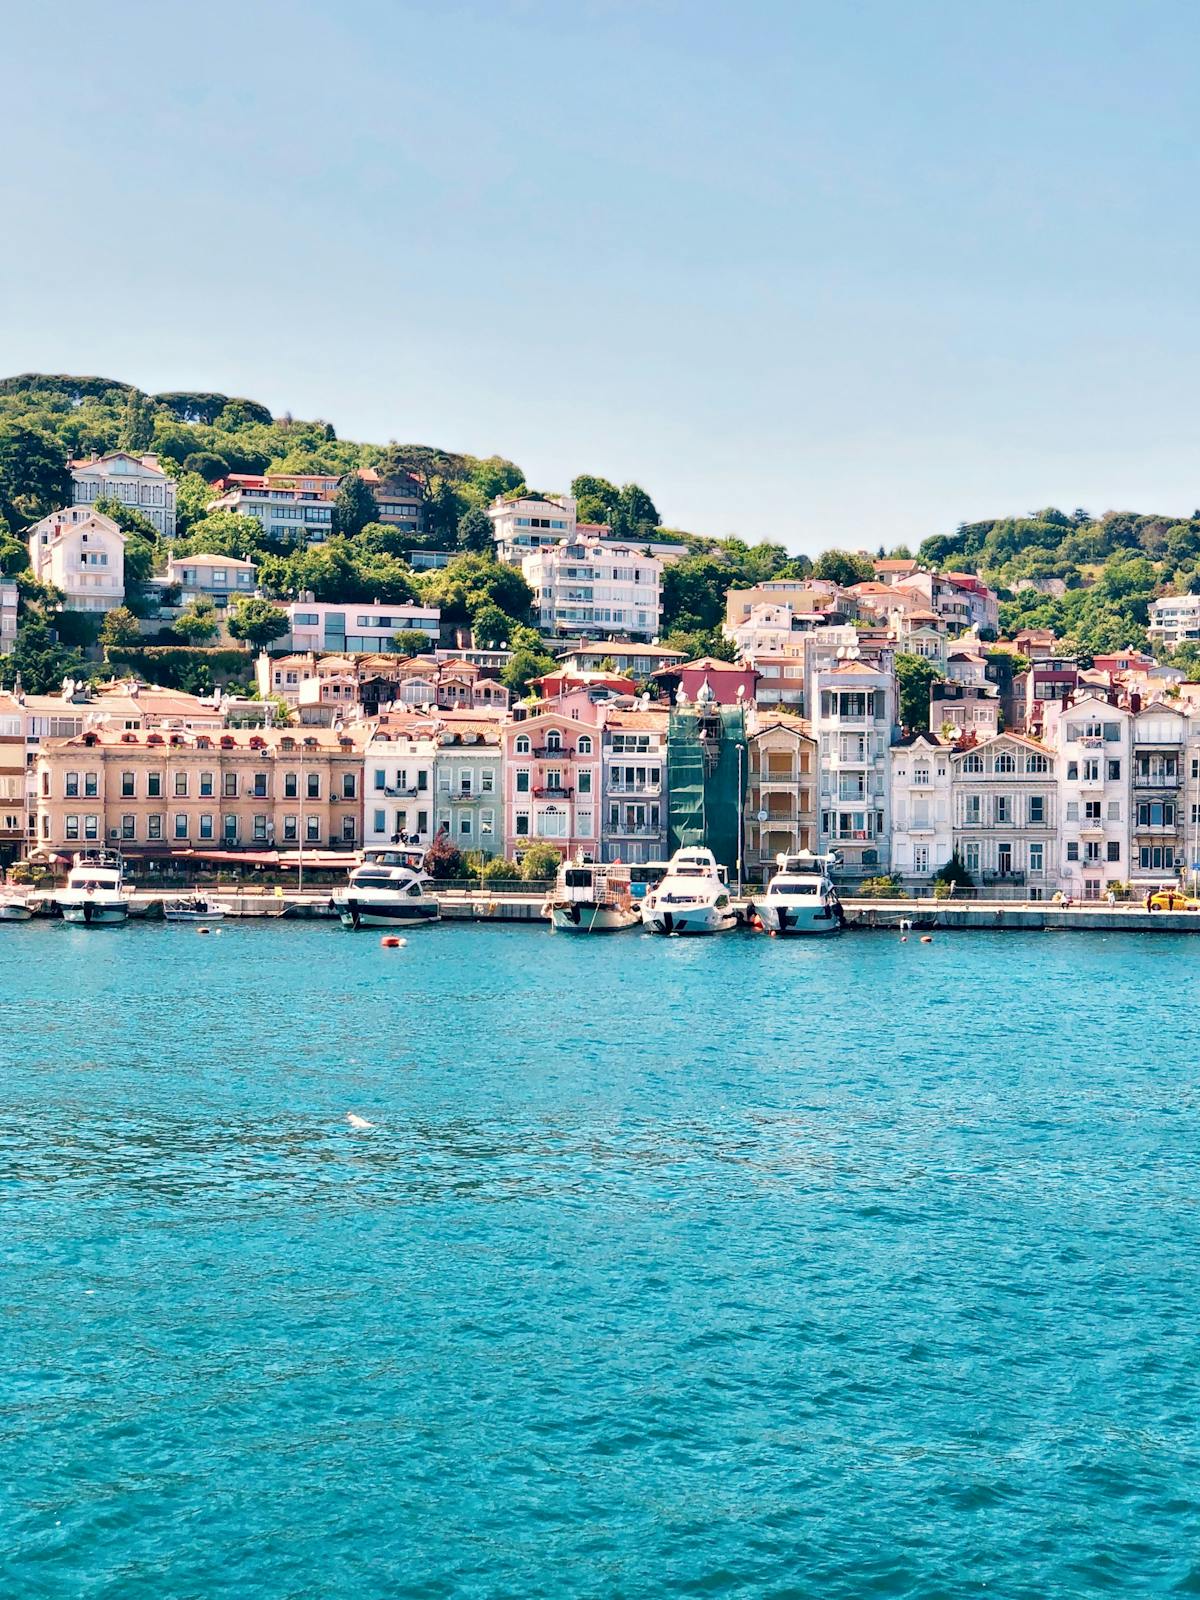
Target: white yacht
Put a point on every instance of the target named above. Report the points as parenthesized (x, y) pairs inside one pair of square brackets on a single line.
[(14, 907), (590, 898), (388, 889), (95, 894), (692, 896), (801, 898)]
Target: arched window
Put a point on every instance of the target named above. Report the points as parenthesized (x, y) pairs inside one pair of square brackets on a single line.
[(973, 763), (1037, 764), (1005, 762), (585, 745), (522, 745), (554, 740)]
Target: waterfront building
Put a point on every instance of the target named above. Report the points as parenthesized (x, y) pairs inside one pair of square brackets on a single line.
[(922, 838), (211, 577), (82, 553), (469, 780), (1163, 803), (552, 776), (14, 808), (1049, 680), (780, 809), (854, 722), (293, 509), (1174, 618), (581, 587), (708, 770), (1093, 739), (534, 522), (357, 627), (399, 788), (136, 481), (10, 598), (152, 793), (633, 785), (1004, 797)]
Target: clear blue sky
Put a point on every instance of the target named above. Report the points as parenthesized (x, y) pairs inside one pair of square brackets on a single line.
[(829, 273)]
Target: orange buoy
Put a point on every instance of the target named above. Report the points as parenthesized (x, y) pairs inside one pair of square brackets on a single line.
[(203, 930), (926, 938), (390, 942)]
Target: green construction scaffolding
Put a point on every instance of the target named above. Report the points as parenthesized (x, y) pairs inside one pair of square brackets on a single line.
[(707, 772)]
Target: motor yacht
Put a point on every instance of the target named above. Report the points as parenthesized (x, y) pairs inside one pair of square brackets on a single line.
[(692, 896), (590, 898), (14, 907), (800, 897), (95, 894), (389, 888), (193, 908)]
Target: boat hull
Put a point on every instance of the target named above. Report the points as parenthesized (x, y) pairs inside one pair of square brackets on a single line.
[(362, 912), (814, 921), (93, 914), (588, 917), (194, 916), (683, 920), (15, 913)]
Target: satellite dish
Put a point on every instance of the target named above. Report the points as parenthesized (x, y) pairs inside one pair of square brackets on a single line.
[(762, 815)]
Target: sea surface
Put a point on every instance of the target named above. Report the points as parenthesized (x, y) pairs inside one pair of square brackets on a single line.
[(727, 1267)]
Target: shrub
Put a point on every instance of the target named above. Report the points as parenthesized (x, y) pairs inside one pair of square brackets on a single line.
[(885, 887), (954, 872), (540, 861), (442, 860), (499, 870)]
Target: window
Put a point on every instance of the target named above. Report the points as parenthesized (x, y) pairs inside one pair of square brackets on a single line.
[(1114, 771), (1037, 857), (1004, 809), (1005, 762), (464, 824), (127, 786), (585, 782), (584, 744), (1037, 763), (347, 830), (312, 829), (91, 826), (1091, 771), (72, 829), (974, 809), (1037, 810), (1072, 771), (206, 785), (1072, 810), (260, 829), (1155, 814), (1114, 811), (1091, 811), (181, 825), (1157, 857), (522, 825), (971, 856), (290, 834), (181, 785), (920, 775), (290, 791), (487, 824), (71, 789), (522, 745), (1091, 850), (259, 789), (154, 826), (1114, 850), (972, 763), (229, 785), (312, 785), (154, 785), (1073, 850), (128, 827), (231, 828), (206, 825), (422, 780), (349, 786), (380, 780), (522, 783)]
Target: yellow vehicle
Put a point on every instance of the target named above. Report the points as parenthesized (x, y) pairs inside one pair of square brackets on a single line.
[(1171, 899)]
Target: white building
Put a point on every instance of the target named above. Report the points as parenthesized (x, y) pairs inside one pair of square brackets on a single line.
[(1165, 795), (290, 513), (82, 553), (468, 781), (1005, 815), (10, 597), (212, 578), (136, 481), (398, 783), (1094, 744), (922, 817), (581, 587), (854, 722), (1174, 618), (531, 523), (356, 627), (633, 785)]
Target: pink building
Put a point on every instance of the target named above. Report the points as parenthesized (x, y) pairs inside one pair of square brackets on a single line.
[(724, 678), (552, 777)]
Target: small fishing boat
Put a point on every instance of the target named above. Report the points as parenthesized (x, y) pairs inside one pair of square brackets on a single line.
[(14, 907), (590, 898), (801, 898), (193, 908), (691, 898), (94, 895), (388, 889)]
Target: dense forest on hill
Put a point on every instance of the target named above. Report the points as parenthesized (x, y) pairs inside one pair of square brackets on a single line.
[(1108, 568)]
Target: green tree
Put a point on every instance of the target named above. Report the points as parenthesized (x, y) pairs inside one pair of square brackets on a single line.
[(33, 473), (442, 860), (596, 498), (634, 515), (695, 643), (198, 621), (693, 593), (37, 659), (208, 466), (441, 515), (540, 861), (954, 871), (257, 622), (470, 582), (499, 870), (522, 667), (412, 642), (843, 567), (354, 506), (914, 675), (222, 533), (137, 424), (490, 626), (475, 531), (120, 627)]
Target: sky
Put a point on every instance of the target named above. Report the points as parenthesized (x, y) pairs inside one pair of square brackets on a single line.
[(828, 274)]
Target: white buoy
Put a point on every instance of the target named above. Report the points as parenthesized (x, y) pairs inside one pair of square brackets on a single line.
[(358, 1122)]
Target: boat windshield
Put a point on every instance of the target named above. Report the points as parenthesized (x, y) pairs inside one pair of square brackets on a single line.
[(796, 887)]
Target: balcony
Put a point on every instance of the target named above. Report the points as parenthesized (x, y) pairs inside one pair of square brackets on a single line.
[(1002, 877), (1158, 779), (544, 791), (634, 830), (548, 752), (616, 789)]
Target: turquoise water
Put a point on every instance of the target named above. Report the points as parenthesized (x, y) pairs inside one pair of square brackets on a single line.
[(719, 1267)]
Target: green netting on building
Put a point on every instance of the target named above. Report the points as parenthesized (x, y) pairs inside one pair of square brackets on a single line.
[(707, 774)]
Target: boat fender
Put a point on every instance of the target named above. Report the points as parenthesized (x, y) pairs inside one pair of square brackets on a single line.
[(903, 938), (492, 908), (203, 930)]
